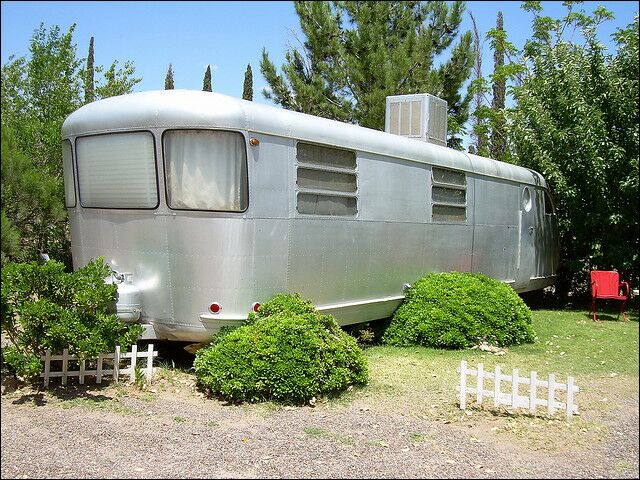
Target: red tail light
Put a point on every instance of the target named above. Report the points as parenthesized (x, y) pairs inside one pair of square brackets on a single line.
[(255, 307), (215, 307)]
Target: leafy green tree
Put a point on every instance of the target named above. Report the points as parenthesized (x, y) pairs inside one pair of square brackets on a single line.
[(118, 81), (356, 53), (168, 80), (38, 93), (206, 82), (576, 122), (247, 89), (89, 87)]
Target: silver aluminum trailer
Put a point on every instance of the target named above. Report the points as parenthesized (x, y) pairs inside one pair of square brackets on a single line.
[(206, 205)]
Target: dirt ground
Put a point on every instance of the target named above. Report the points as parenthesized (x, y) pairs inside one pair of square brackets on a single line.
[(170, 430)]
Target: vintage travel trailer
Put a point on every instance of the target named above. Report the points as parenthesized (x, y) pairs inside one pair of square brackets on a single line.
[(206, 205)]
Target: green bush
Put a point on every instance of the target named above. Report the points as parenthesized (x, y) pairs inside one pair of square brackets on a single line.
[(286, 352), (460, 310), (45, 308)]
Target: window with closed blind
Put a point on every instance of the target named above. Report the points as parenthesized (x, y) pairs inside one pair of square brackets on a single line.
[(117, 171), (326, 181), (448, 195)]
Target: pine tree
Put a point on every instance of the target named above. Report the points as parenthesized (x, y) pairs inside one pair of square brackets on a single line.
[(206, 83), (357, 53), (89, 92), (497, 148), (247, 90), (168, 80)]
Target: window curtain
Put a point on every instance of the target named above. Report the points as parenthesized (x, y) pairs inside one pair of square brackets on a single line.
[(205, 170)]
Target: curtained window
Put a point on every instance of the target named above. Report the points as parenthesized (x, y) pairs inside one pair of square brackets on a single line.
[(206, 170)]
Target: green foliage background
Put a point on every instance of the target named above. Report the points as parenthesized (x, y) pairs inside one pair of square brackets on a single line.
[(38, 93), (575, 120)]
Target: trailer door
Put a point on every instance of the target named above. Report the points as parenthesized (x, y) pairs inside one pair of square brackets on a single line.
[(526, 244)]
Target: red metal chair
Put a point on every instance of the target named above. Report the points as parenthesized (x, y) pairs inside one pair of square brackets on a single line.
[(606, 285)]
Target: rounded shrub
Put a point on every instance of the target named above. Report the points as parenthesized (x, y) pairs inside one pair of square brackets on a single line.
[(460, 310), (290, 355)]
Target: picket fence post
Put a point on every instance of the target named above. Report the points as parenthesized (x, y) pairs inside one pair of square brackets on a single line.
[(134, 362), (116, 364), (149, 372), (496, 386), (551, 396), (533, 393)]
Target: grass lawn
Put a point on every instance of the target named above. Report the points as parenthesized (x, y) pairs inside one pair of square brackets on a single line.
[(602, 358)]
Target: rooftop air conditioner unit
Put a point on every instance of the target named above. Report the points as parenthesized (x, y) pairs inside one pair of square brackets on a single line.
[(421, 116)]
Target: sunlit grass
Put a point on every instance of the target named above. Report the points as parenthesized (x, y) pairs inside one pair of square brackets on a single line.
[(567, 343), (602, 357)]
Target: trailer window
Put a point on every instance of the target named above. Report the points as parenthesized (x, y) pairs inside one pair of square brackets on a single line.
[(206, 170), (326, 180), (67, 169), (117, 170), (448, 195)]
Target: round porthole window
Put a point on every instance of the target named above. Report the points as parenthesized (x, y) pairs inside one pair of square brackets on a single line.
[(526, 199)]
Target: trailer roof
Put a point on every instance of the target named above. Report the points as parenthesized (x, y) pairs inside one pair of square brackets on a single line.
[(198, 109)]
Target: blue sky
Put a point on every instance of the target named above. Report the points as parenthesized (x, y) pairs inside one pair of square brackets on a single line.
[(226, 35)]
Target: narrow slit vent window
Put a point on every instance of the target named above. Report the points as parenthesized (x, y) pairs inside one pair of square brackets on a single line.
[(206, 170), (326, 180), (117, 170), (67, 169), (448, 195)]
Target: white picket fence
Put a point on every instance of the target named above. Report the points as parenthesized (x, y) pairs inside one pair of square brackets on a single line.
[(113, 361), (514, 399)]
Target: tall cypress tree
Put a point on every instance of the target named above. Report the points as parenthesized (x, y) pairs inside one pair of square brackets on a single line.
[(168, 80), (206, 83), (357, 53), (479, 132), (498, 145), (247, 90), (89, 88)]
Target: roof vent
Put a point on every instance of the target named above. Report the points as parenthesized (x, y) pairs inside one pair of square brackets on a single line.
[(421, 116)]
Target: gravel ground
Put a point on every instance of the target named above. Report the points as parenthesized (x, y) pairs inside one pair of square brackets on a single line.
[(120, 432)]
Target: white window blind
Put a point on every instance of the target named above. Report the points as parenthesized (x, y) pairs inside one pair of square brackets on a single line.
[(67, 169), (206, 170), (117, 171)]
